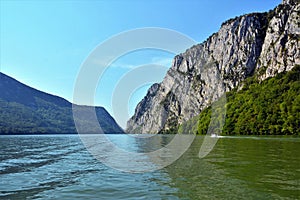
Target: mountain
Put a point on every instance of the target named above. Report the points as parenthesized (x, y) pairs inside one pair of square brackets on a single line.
[(25, 110), (270, 107), (260, 45)]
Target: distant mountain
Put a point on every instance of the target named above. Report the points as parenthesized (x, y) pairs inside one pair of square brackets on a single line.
[(260, 45), (25, 110)]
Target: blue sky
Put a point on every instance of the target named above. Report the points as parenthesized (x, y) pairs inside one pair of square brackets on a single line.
[(44, 43)]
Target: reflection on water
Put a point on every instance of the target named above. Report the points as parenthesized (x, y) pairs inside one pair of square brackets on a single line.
[(240, 168), (157, 153), (59, 167)]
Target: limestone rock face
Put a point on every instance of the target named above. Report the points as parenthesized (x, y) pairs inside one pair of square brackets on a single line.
[(261, 44), (280, 51)]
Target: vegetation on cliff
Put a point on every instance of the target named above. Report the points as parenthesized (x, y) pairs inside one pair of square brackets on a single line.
[(271, 107)]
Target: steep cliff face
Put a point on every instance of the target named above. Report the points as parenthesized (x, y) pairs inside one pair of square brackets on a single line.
[(263, 44), (280, 50)]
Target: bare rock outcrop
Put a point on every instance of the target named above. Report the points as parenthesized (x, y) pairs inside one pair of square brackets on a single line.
[(260, 44)]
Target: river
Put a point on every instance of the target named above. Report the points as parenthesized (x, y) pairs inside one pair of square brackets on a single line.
[(60, 167)]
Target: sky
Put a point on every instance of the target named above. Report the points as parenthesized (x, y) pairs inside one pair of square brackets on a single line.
[(44, 43)]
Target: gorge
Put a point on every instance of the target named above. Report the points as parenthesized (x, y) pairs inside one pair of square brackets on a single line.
[(256, 45)]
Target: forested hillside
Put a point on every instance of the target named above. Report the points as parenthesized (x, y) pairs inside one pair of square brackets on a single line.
[(271, 107), (25, 110)]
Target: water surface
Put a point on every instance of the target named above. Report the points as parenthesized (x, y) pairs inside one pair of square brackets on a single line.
[(59, 167)]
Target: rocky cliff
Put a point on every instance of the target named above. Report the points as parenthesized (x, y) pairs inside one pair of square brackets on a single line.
[(260, 44)]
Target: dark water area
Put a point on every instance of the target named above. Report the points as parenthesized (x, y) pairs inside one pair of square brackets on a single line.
[(60, 167)]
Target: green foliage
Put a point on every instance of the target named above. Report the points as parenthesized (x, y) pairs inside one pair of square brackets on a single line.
[(269, 108), (189, 127), (17, 118), (47, 117), (204, 120), (24, 110)]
